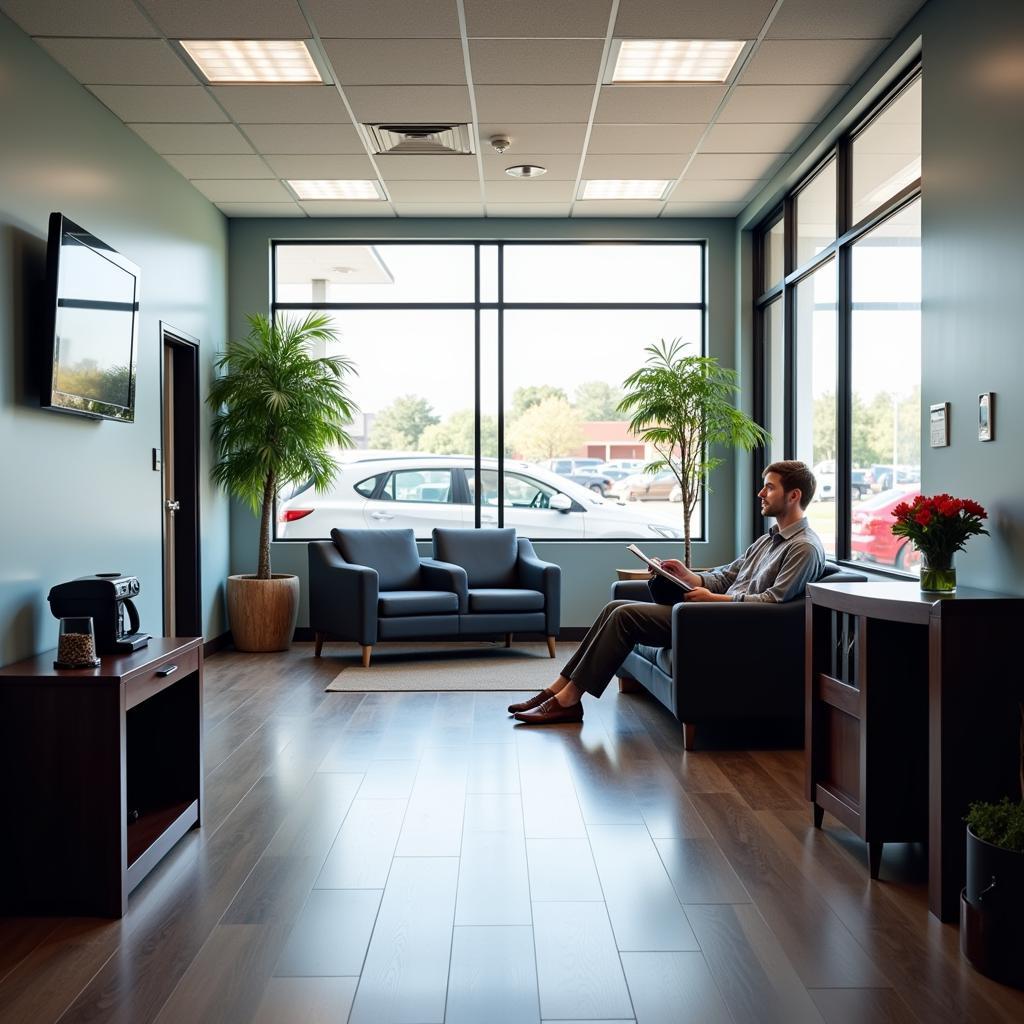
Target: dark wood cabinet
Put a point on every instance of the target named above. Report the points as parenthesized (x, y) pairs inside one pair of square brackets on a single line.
[(912, 713), (102, 775)]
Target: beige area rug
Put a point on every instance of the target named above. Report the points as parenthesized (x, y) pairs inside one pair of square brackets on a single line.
[(451, 666)]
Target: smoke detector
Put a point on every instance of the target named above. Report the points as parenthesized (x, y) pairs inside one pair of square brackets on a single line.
[(525, 171), (499, 143)]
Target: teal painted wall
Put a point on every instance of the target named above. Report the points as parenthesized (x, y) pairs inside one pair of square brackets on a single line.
[(972, 254), (79, 496), (587, 567)]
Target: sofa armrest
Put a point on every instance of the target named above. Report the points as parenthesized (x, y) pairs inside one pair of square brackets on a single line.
[(342, 596), (631, 590), (546, 577), (446, 576)]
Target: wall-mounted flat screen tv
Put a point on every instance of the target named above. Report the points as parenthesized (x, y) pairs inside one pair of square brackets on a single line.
[(92, 308)]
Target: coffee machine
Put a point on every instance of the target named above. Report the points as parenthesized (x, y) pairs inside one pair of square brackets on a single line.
[(106, 598)]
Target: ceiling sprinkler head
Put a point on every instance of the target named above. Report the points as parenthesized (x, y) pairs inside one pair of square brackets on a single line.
[(499, 143)]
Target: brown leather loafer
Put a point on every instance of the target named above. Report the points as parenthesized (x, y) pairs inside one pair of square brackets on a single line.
[(551, 713), (534, 702)]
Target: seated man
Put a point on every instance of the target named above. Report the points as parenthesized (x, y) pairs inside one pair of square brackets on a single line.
[(775, 568)]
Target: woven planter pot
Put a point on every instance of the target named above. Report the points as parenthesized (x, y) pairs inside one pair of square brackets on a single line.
[(262, 613)]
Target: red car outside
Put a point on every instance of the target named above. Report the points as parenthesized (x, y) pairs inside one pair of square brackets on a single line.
[(871, 537)]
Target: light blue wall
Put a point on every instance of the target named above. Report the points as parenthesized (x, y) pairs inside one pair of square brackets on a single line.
[(972, 254), (79, 496), (587, 567)]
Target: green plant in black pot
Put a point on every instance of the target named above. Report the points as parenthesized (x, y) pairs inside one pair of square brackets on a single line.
[(992, 904)]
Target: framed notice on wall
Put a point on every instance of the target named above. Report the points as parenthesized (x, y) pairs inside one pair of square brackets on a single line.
[(986, 422), (938, 419)]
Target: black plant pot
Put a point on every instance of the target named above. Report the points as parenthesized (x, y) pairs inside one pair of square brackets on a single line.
[(992, 911)]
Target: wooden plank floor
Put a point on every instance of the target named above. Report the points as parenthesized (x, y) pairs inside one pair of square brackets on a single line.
[(418, 858)]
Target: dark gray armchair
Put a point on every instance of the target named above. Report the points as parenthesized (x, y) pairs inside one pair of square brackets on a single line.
[(504, 587), (372, 585), (727, 661)]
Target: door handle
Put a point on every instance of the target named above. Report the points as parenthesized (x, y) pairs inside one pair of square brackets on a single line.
[(172, 506), (381, 515)]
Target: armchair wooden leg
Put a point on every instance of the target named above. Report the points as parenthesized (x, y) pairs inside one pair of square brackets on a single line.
[(551, 646), (367, 651), (689, 735), (319, 638), (508, 639), (627, 684)]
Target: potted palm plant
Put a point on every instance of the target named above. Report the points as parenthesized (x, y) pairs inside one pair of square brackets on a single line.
[(278, 413), (682, 406)]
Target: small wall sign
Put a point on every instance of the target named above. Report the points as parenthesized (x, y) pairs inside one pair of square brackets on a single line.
[(938, 419), (986, 421)]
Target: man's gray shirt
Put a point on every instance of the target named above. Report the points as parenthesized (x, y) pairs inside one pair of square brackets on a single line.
[(775, 568)]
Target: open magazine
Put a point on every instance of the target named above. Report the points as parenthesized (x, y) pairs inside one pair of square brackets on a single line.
[(654, 565)]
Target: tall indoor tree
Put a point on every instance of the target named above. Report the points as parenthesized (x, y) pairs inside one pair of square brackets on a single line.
[(682, 406)]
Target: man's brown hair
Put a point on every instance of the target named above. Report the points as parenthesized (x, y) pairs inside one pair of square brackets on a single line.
[(795, 476)]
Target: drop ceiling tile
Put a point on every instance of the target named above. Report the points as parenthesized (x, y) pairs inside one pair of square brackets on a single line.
[(439, 209), (260, 209), (635, 165), (346, 208), (151, 103), (527, 191), (755, 138), (851, 19), (385, 19), (534, 103), (438, 104), (737, 191), (240, 190), (644, 138), (723, 166), (561, 166), (282, 104), (538, 18), (695, 19), (228, 19), (535, 61), (428, 168), (780, 103), (702, 209), (119, 61), (811, 61), (304, 138), (658, 104), (434, 191), (617, 208), (535, 138), (220, 166), (82, 18), (527, 209), (397, 61), (193, 138), (322, 167)]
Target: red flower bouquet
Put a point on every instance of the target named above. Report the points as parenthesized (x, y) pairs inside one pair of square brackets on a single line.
[(938, 527)]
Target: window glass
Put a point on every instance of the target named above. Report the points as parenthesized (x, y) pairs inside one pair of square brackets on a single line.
[(886, 384), (774, 254), (367, 487), (488, 273), (816, 214), (379, 273), (605, 272), (775, 379), (520, 491), (887, 153), (421, 485), (816, 364)]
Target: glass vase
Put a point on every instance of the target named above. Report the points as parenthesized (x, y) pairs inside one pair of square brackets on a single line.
[(938, 574)]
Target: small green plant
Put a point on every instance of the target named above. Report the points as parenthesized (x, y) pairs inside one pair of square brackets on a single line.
[(1000, 824)]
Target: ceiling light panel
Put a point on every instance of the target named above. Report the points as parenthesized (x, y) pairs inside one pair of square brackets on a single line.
[(309, 188), (252, 60), (624, 188), (674, 60)]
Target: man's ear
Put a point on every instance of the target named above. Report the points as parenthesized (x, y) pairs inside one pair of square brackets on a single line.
[(798, 495)]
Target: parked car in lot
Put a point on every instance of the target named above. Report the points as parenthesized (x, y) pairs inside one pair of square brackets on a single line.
[(871, 538), (825, 480), (860, 485), (424, 491), (599, 483), (566, 467), (646, 486), (625, 466), (882, 476)]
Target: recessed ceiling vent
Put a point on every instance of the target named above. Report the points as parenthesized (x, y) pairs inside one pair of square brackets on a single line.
[(419, 139)]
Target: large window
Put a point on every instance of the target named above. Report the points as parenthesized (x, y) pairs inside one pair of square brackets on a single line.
[(838, 329), (497, 362)]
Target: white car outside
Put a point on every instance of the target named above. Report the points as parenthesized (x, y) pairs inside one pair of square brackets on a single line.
[(419, 492)]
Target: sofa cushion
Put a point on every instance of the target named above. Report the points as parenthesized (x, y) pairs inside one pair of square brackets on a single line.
[(488, 556), (658, 656), (505, 600), (416, 602), (391, 552)]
